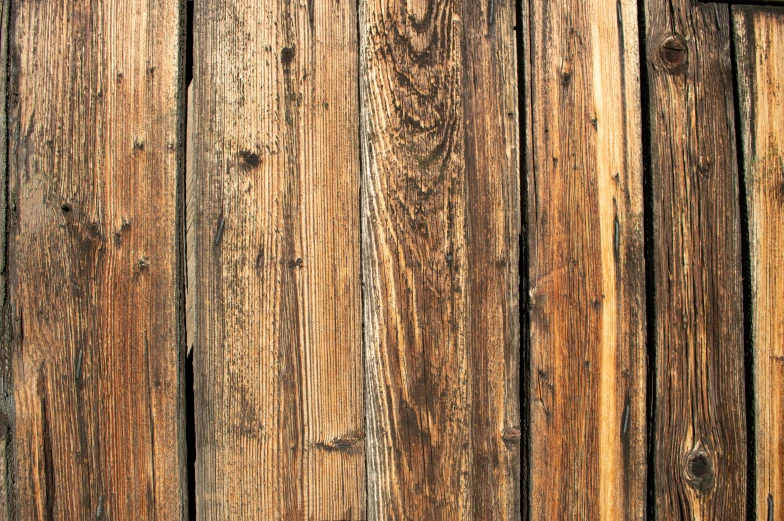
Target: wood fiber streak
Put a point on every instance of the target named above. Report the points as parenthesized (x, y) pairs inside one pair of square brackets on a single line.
[(93, 171), (700, 434), (759, 41), (586, 263), (277, 347), (6, 389), (441, 228)]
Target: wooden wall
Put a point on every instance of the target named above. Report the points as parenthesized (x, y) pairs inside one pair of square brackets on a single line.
[(391, 260)]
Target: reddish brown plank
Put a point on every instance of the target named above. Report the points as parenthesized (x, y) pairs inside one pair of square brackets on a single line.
[(586, 266), (700, 434), (94, 161)]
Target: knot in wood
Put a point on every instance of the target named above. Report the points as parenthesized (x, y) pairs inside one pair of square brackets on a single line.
[(699, 470), (674, 53)]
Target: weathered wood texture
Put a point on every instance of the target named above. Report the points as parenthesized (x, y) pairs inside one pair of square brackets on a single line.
[(700, 433), (6, 391), (759, 39), (277, 352), (441, 224), (95, 150), (586, 266)]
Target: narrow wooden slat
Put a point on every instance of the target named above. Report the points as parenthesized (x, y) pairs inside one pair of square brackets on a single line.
[(759, 40), (95, 152), (277, 352), (700, 433), (441, 224), (586, 266), (6, 390)]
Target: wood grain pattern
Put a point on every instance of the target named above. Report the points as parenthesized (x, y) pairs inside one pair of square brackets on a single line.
[(441, 224), (277, 353), (700, 432), (6, 389), (94, 163), (759, 42), (586, 263)]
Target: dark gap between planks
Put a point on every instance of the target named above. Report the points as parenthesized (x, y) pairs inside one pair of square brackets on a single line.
[(650, 295), (523, 276), (190, 422), (745, 253)]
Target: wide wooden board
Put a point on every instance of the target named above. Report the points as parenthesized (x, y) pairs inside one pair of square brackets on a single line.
[(586, 262), (277, 341), (95, 114), (759, 43), (699, 452), (441, 225)]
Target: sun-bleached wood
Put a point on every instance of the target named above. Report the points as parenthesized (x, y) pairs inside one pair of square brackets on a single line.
[(759, 41), (277, 341)]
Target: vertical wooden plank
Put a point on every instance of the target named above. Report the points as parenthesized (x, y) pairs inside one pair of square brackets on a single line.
[(586, 266), (700, 433), (759, 39), (441, 224), (277, 354), (95, 154), (6, 390)]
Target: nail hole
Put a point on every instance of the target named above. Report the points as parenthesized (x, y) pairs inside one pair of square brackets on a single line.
[(65, 208)]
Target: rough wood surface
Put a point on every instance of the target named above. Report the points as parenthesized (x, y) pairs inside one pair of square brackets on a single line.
[(441, 224), (700, 432), (95, 151), (6, 389), (759, 40), (277, 352), (586, 262)]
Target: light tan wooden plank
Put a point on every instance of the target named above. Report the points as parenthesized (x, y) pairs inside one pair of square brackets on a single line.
[(586, 267), (441, 224), (759, 40), (277, 352), (94, 260)]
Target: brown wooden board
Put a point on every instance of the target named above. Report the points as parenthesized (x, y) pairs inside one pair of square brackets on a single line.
[(94, 170), (587, 266), (441, 225), (6, 389), (759, 42), (700, 430), (277, 347)]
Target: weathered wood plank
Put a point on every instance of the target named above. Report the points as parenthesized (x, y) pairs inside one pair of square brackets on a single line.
[(6, 390), (586, 262), (759, 40), (277, 353), (441, 224), (94, 163), (700, 433)]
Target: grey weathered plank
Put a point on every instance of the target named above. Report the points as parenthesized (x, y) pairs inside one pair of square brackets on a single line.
[(759, 40), (700, 429), (586, 262), (441, 224)]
